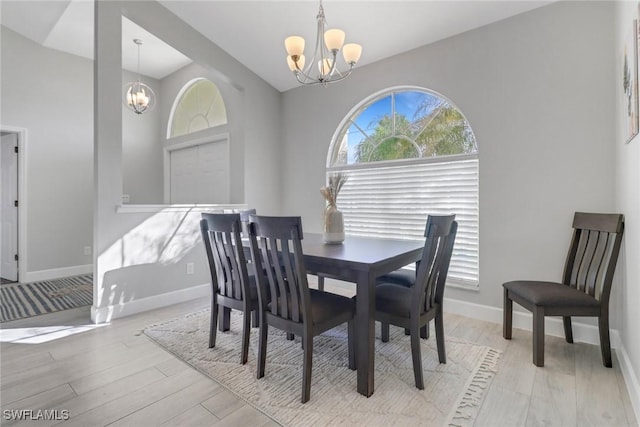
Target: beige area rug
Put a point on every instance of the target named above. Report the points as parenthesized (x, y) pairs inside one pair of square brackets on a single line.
[(453, 391)]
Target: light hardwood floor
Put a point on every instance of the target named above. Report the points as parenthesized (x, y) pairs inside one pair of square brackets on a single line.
[(114, 375)]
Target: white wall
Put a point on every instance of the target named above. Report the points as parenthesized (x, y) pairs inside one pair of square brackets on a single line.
[(628, 202), (141, 257), (55, 104)]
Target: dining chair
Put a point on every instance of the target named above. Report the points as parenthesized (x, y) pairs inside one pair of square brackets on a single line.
[(585, 286), (245, 216), (413, 307), (233, 283), (276, 247)]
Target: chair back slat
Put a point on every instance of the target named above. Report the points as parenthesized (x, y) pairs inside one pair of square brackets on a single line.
[(440, 233), (597, 263), (227, 263), (593, 253), (276, 247), (587, 259)]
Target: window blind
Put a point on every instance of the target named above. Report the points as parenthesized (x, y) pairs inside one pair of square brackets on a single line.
[(394, 201)]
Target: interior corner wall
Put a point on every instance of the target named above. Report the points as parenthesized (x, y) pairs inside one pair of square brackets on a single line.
[(55, 105), (628, 202), (142, 161), (140, 257), (536, 89)]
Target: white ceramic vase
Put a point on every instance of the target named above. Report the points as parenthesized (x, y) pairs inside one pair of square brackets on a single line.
[(333, 225)]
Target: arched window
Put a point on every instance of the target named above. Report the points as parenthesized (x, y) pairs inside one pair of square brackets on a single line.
[(198, 106), (409, 152)]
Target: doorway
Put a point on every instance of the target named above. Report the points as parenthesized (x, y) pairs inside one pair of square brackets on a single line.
[(12, 210), (9, 208)]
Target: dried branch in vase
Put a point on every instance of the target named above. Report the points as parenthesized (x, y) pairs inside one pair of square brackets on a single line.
[(331, 190)]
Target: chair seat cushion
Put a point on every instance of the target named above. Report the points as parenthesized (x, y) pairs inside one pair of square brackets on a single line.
[(550, 294), (325, 305), (394, 299), (401, 277)]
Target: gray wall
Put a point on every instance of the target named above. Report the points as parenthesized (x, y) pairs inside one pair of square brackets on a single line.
[(232, 96), (628, 202), (142, 161), (140, 257), (536, 90), (50, 94)]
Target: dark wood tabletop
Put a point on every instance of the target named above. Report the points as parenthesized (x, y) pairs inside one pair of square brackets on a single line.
[(361, 260)]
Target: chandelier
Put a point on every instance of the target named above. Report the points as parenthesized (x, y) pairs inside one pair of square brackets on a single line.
[(139, 97), (324, 55)]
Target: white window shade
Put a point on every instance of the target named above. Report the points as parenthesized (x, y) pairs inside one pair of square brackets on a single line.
[(394, 201)]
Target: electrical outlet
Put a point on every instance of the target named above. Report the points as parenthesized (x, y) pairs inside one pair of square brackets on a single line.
[(87, 250), (190, 268), (125, 198)]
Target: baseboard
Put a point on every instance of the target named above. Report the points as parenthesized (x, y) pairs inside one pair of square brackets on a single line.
[(630, 379), (524, 320), (111, 312), (55, 273)]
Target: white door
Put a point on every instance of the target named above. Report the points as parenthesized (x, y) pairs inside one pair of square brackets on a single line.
[(8, 210), (200, 174)]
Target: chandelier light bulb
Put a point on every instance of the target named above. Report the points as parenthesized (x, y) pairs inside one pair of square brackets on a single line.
[(351, 53), (294, 45), (334, 39)]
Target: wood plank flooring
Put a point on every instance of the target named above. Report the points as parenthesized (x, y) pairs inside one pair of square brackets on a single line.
[(114, 376)]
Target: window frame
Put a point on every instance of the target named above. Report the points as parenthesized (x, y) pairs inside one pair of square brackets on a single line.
[(358, 109), (177, 101)]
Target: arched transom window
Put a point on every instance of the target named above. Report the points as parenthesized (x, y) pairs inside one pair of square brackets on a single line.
[(408, 153), (198, 106)]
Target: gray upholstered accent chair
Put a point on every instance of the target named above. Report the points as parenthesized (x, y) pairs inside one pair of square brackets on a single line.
[(585, 286), (276, 248), (414, 303)]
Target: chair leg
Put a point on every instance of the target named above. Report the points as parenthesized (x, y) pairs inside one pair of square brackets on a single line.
[(262, 347), (246, 330), (568, 332), (439, 321), (417, 357), (605, 344), (213, 323), (224, 323), (307, 364), (290, 336), (507, 316), (320, 282), (407, 331), (351, 328), (384, 332), (538, 336), (255, 318), (424, 332)]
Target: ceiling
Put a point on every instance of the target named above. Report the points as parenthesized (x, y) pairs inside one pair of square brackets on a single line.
[(254, 31)]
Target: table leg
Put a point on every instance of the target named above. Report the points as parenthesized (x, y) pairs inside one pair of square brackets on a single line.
[(365, 324)]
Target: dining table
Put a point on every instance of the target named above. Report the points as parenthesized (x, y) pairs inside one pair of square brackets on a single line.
[(360, 260)]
